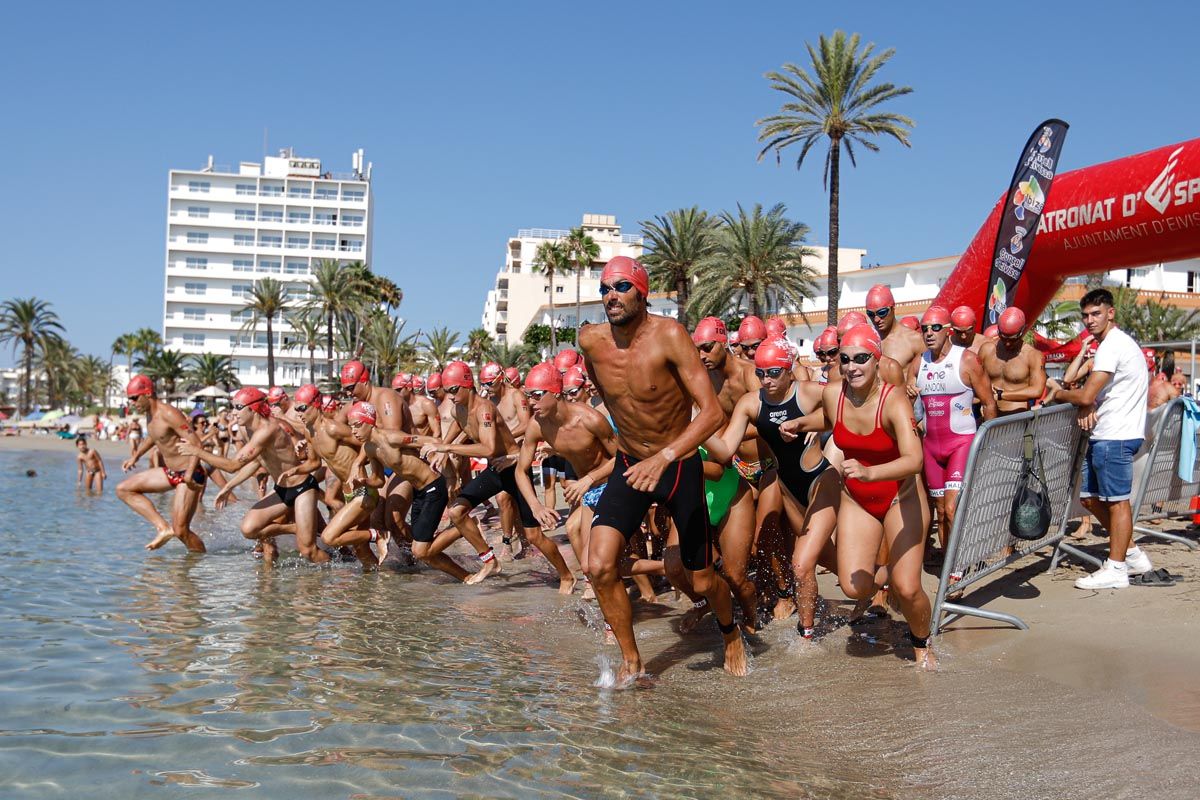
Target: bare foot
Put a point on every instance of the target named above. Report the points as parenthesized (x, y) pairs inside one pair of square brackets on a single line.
[(519, 547), (926, 660), (504, 551), (629, 674), (588, 592), (648, 598), (859, 611), (164, 536), (269, 552), (691, 618), (488, 569), (566, 585), (735, 656), (784, 608), (381, 545)]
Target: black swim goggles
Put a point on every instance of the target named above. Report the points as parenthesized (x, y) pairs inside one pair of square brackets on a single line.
[(769, 372), (536, 394), (619, 286), (878, 312), (935, 327), (857, 358)]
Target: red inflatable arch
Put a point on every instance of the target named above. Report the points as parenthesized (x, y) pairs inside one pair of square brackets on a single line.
[(1142, 209)]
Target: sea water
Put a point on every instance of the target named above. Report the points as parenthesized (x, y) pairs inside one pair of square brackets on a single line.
[(132, 674)]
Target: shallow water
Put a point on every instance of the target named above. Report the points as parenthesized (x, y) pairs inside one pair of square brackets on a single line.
[(126, 674)]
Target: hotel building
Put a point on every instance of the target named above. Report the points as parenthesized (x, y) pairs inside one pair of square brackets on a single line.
[(228, 228)]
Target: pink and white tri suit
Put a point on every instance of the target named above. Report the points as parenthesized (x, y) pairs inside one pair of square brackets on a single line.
[(949, 420)]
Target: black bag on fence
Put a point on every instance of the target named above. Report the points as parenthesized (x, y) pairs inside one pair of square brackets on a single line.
[(1030, 516)]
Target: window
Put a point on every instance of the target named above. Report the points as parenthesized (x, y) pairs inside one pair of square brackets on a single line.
[(245, 214), (197, 237), (352, 220), (325, 218), (270, 240), (1191, 281), (195, 288), (297, 242), (353, 195), (271, 215), (193, 340), (558, 289), (243, 240), (350, 246), (194, 262), (243, 265), (297, 293), (299, 191), (326, 193), (298, 217), (323, 243), (239, 316), (268, 265), (246, 189), (198, 212), (268, 190), (295, 268), (242, 340), (242, 289), (200, 187), (194, 314)]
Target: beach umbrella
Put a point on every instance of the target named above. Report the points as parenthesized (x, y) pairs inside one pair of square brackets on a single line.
[(211, 391), (50, 416)]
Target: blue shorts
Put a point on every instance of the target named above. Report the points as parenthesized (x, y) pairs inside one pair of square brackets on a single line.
[(1108, 469), (592, 496)]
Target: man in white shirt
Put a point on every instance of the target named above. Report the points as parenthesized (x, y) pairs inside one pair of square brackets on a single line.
[(1112, 407)]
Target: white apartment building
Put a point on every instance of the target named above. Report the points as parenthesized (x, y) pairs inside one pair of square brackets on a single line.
[(227, 228), (519, 293)]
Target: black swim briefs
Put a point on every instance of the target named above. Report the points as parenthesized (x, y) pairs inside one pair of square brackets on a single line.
[(490, 483), (288, 494), (427, 507), (680, 490)]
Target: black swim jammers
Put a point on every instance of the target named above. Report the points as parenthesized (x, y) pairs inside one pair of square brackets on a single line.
[(490, 483), (288, 494), (680, 490), (427, 507)]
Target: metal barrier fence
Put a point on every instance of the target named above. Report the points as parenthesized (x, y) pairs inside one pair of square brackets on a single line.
[(1159, 493), (980, 542)]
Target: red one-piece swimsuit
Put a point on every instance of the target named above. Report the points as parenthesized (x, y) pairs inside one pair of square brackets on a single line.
[(874, 448)]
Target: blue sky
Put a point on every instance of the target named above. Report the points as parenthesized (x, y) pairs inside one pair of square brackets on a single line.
[(482, 118)]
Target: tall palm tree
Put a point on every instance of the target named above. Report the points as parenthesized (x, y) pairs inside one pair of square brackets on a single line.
[(514, 355), (57, 360), (759, 262), (676, 244), (551, 259), (335, 292), (1059, 320), (210, 369), (28, 323), (167, 367), (386, 346), (1153, 320), (267, 300), (581, 251), (91, 379), (122, 346), (479, 344), (306, 335), (146, 341), (836, 102), (439, 347)]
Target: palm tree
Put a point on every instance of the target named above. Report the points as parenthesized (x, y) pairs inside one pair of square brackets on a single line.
[(1059, 320), (551, 259), (516, 355), (835, 102), (91, 379), (479, 344), (29, 323), (335, 292), (676, 244), (122, 346), (581, 251), (759, 261), (145, 341), (1149, 320), (165, 366), (267, 300), (209, 369), (306, 335), (57, 359), (386, 345), (439, 347)]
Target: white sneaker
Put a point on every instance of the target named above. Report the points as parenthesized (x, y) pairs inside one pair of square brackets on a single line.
[(1137, 562), (1107, 577)]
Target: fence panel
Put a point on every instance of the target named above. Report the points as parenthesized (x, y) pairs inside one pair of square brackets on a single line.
[(1159, 492)]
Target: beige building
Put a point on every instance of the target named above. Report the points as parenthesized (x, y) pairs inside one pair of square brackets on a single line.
[(518, 295)]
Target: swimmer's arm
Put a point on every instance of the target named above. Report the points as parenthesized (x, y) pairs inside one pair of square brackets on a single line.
[(433, 418), (598, 424), (814, 421), (247, 454), (723, 446), (410, 441), (1037, 379), (485, 447), (682, 354), (533, 435), (375, 479), (310, 464), (976, 377), (899, 417), (523, 417), (390, 416), (239, 477), (79, 472), (100, 464), (142, 449)]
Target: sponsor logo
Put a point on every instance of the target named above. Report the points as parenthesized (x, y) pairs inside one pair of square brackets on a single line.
[(1046, 140), (1158, 193), (1017, 243), (1028, 197), (777, 417)]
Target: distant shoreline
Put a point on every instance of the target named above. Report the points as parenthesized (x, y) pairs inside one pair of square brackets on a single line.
[(45, 443)]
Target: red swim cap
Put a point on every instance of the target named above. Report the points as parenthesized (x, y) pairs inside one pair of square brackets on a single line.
[(911, 322), (457, 373), (828, 338), (752, 329), (865, 336), (362, 412), (402, 381), (513, 376), (330, 403), (991, 332), (936, 315), (306, 394), (139, 385), (773, 353), (276, 395), (490, 373), (418, 383), (544, 377), (1150, 357), (776, 328), (354, 372), (963, 317), (710, 329), (1012, 322), (434, 381), (880, 296), (575, 378), (851, 319), (254, 399), (566, 359), (624, 268)]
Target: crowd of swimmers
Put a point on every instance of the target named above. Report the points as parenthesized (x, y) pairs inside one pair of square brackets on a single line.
[(712, 459)]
